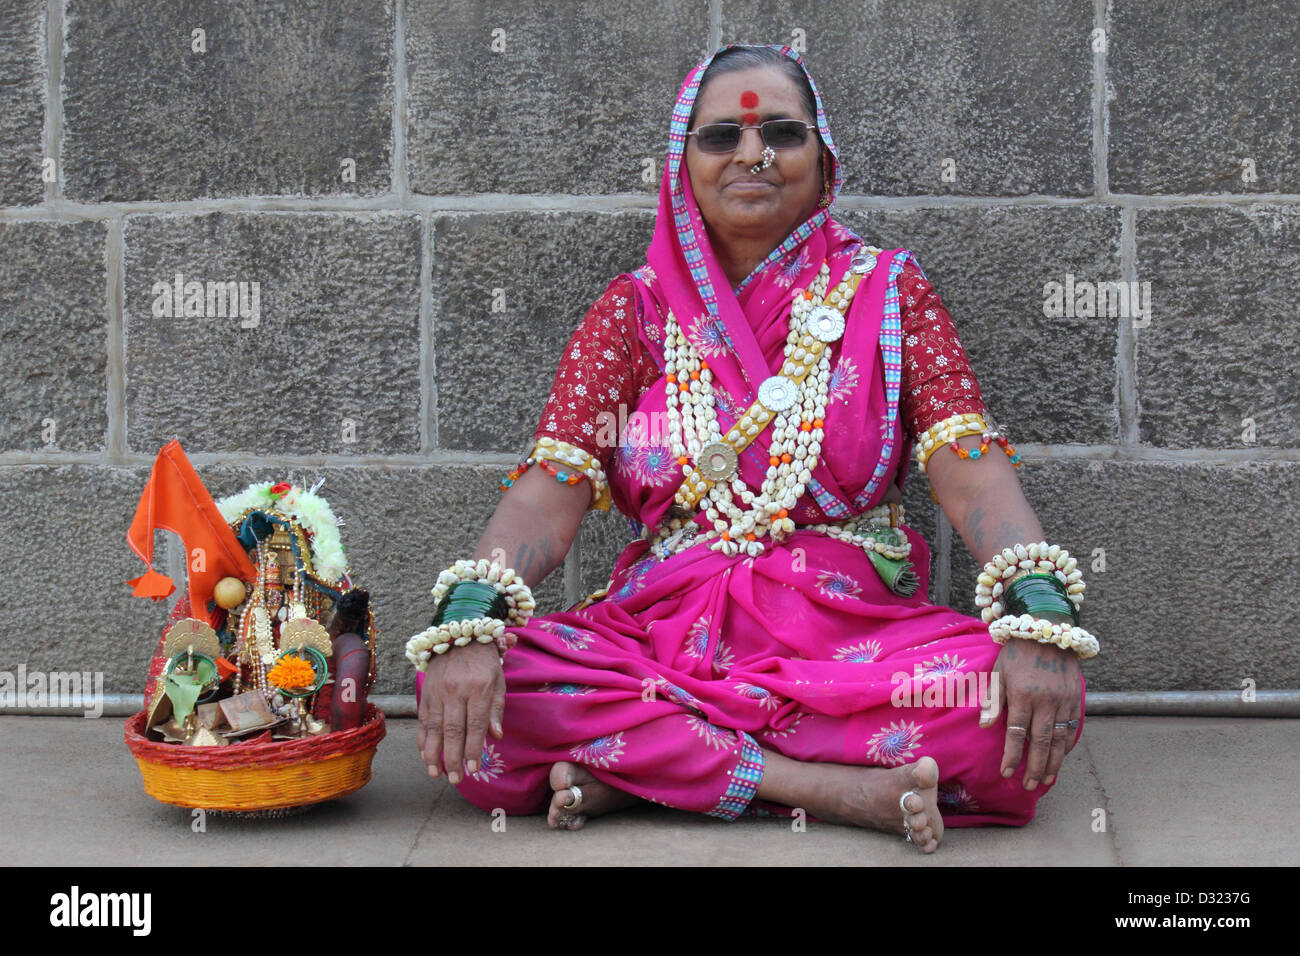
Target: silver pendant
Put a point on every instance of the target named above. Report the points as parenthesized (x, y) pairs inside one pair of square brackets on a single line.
[(862, 262), (778, 394), (717, 461), (825, 323)]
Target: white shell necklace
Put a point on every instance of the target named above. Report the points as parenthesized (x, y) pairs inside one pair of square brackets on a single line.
[(793, 401)]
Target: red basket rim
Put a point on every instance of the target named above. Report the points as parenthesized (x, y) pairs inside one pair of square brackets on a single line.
[(275, 754)]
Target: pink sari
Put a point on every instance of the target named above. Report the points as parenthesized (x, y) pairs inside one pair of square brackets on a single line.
[(673, 684)]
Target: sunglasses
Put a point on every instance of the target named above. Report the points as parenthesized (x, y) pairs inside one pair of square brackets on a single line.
[(725, 137)]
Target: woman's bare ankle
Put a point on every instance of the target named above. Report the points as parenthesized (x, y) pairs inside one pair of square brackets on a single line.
[(854, 796)]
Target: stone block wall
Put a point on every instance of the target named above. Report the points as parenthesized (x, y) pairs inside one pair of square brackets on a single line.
[(429, 196)]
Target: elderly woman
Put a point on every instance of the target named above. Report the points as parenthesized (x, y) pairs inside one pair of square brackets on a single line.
[(751, 396)]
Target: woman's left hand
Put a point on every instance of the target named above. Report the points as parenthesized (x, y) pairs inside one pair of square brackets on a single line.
[(1038, 685)]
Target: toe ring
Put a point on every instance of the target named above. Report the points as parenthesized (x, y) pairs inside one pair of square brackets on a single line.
[(576, 802), (902, 801)]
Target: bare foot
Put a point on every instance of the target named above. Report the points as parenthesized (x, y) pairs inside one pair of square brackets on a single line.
[(924, 820), (869, 797), (597, 797)]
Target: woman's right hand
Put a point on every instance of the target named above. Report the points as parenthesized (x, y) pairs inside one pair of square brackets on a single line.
[(464, 696)]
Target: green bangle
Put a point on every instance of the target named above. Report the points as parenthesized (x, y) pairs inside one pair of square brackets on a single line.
[(1037, 584), (1037, 599), (1037, 593), (469, 600)]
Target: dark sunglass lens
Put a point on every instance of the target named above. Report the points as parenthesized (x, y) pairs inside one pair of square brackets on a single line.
[(782, 134), (718, 138)]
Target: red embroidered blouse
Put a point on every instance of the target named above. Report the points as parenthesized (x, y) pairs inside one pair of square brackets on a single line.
[(605, 366)]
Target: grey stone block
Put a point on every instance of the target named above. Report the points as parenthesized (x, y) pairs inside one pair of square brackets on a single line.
[(1198, 89), (601, 540), (63, 540), (337, 339), (1222, 344), (495, 369), (964, 569), (1004, 91), (990, 267), (1170, 606), (22, 110), (401, 526), (922, 515), (576, 97), (54, 330), (282, 97)]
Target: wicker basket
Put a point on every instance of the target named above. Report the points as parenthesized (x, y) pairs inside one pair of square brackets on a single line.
[(290, 773)]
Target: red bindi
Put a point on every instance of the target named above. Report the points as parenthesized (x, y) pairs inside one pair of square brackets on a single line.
[(748, 99), (749, 119)]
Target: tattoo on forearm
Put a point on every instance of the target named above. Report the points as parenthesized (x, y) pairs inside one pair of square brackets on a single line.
[(975, 528), (533, 560), (1009, 534), (984, 542)]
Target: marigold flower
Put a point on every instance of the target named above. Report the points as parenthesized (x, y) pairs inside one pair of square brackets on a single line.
[(292, 673)]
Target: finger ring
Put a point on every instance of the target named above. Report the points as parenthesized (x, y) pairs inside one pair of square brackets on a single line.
[(1073, 722), (577, 798), (1060, 725), (1023, 730)]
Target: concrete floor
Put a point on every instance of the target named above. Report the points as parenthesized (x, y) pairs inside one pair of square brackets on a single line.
[(1176, 791)]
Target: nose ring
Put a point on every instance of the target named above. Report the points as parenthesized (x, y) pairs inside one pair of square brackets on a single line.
[(769, 154)]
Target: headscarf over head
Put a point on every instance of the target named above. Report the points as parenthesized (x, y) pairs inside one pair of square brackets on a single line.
[(742, 331)]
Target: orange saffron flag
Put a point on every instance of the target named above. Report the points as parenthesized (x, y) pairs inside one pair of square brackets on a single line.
[(175, 499)]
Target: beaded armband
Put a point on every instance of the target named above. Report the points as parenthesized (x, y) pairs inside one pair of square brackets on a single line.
[(950, 429), (568, 464), (496, 590)]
